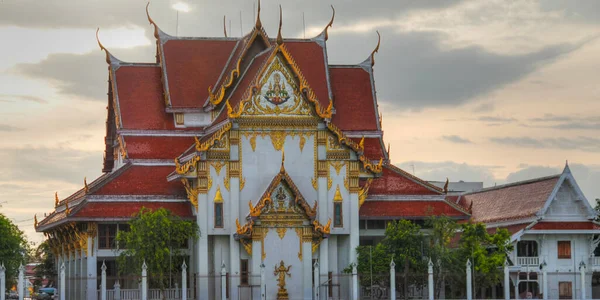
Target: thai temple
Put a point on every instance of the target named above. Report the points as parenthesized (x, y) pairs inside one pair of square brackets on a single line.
[(280, 159)]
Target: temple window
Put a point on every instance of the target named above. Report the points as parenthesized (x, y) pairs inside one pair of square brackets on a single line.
[(564, 249), (244, 271), (527, 249), (219, 215), (337, 215), (107, 234)]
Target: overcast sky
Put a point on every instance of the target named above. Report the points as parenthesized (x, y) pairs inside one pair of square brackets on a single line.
[(493, 91)]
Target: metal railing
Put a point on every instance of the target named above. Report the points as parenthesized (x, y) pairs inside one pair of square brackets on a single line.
[(528, 261)]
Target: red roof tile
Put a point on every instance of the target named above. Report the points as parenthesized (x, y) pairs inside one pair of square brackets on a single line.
[(192, 66), (373, 147), (563, 226), (140, 98), (128, 209), (512, 229), (408, 209), (156, 147), (397, 182), (509, 202), (143, 180), (310, 58), (353, 99)]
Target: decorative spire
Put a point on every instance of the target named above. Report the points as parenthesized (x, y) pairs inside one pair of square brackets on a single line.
[(337, 197), (102, 47), (224, 27), (376, 49), (330, 24), (85, 185), (55, 199), (67, 209), (279, 37), (567, 169), (152, 21), (218, 195), (446, 186), (258, 23), (35, 221), (361, 144), (282, 169)]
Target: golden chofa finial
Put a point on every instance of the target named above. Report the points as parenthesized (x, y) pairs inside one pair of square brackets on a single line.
[(67, 209), (258, 23), (282, 169), (376, 49), (279, 37), (56, 199), (224, 27), (446, 185), (152, 21), (102, 47), (35, 221), (330, 24), (85, 186)]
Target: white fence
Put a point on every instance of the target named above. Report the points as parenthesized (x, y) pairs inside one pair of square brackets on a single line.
[(153, 294), (528, 261)]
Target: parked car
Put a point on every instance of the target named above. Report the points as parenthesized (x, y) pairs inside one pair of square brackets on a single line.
[(47, 294), (12, 295)]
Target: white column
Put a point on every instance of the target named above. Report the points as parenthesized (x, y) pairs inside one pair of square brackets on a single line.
[(469, 284), (184, 281), (354, 282), (234, 246), (582, 280), (507, 281), (307, 268), (516, 287), (83, 275), (323, 217), (103, 282), (117, 291), (223, 282), (91, 270), (62, 282), (202, 244), (354, 228), (429, 279), (2, 282), (544, 281), (21, 283), (256, 255), (316, 280), (263, 287), (144, 282), (392, 280)]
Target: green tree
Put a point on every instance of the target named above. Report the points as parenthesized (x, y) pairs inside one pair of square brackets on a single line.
[(157, 238), (47, 264), (486, 251), (441, 251), (13, 249)]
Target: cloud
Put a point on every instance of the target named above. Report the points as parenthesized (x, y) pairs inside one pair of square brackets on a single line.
[(587, 144), (484, 107), (9, 128), (439, 171), (82, 75), (565, 122), (456, 139), (582, 10), (26, 98)]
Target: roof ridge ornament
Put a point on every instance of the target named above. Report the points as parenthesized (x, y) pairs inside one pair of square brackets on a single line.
[(258, 22), (102, 48), (56, 199), (330, 24), (224, 27), (152, 21), (279, 37), (567, 169), (376, 50)]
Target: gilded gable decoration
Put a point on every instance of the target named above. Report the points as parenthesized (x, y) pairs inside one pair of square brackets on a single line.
[(218, 196), (337, 197)]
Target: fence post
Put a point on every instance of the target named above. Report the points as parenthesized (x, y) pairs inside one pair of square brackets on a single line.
[(430, 279), (62, 282), (223, 282), (316, 280), (263, 287), (469, 284), (103, 282), (2, 282), (354, 282), (545, 281), (506, 281), (21, 284), (144, 281), (392, 280), (117, 291), (184, 281), (582, 270)]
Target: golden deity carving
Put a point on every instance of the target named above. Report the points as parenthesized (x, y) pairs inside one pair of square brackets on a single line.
[(281, 271)]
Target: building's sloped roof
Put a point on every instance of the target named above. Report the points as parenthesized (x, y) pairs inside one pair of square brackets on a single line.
[(509, 202), (409, 209), (156, 147), (126, 209), (373, 147), (143, 180), (310, 57), (353, 99), (398, 182), (191, 66), (564, 226)]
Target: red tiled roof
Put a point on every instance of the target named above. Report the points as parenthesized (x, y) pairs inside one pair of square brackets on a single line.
[(563, 225), (143, 180), (192, 66), (140, 98), (373, 147), (509, 202), (397, 182), (408, 209), (128, 209), (512, 229), (310, 58), (156, 147), (353, 99)]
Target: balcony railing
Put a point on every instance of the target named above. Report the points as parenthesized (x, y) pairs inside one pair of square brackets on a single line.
[(528, 261)]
